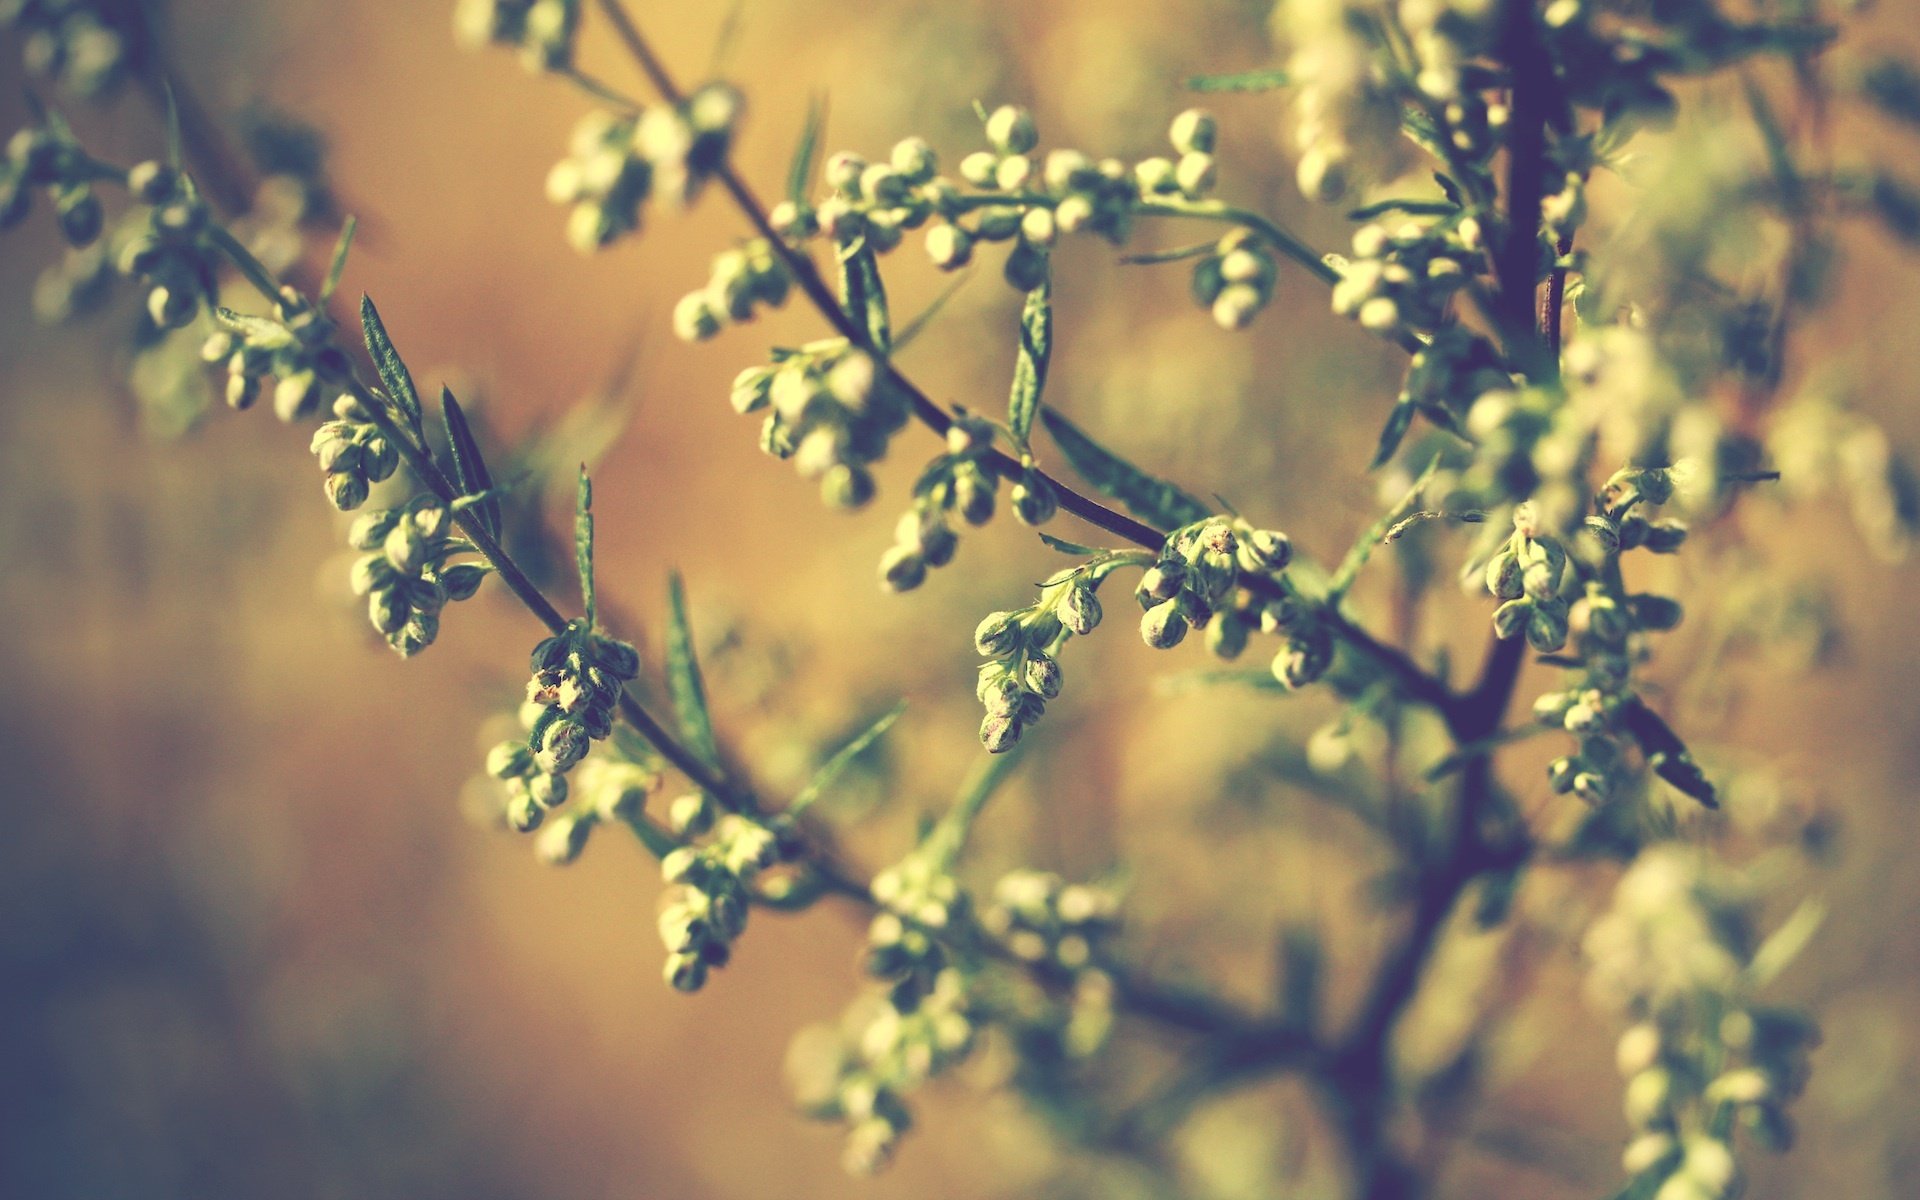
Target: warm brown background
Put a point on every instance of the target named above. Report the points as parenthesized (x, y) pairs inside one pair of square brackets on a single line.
[(250, 947)]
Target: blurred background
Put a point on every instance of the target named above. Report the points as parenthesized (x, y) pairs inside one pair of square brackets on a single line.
[(251, 945)]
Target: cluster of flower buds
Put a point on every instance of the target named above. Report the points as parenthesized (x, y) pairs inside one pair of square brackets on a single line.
[(1406, 277), (578, 675), (829, 410), (404, 571), (45, 158), (618, 162), (1023, 647), (954, 483), (1040, 918), (543, 30), (1019, 197), (73, 43), (743, 279), (1198, 573), (921, 1025), (707, 909), (1675, 954), (1446, 36), (353, 454), (170, 257), (1347, 116), (1527, 575), (296, 347), (600, 790), (1235, 281)]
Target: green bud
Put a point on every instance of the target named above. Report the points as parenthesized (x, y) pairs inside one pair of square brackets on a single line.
[(1547, 626), (1010, 130), (1164, 625), (1227, 636), (1305, 658), (1510, 619), (1193, 132), (902, 569), (346, 491), (1263, 550), (973, 496), (1042, 675), (1655, 612), (686, 972), (914, 159), (548, 790), (691, 815), (406, 549), (510, 760), (463, 580), (998, 634), (1079, 609), (80, 215), (1026, 267), (523, 814), (949, 246), (1504, 576), (152, 182), (1000, 732), (386, 609), (564, 745), (1034, 500), (694, 318), (562, 841)]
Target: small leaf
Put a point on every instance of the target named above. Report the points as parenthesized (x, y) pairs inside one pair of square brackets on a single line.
[(469, 468), (683, 677), (1375, 535), (1893, 87), (1030, 367), (1418, 208), (948, 837), (1066, 547), (864, 297), (175, 158), (1265, 80), (339, 266), (393, 371), (1784, 944), (1398, 422), (1150, 499), (804, 151), (583, 542), (925, 316), (1177, 254), (834, 767)]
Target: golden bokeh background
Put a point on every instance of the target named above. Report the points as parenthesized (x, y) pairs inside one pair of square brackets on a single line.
[(250, 944)]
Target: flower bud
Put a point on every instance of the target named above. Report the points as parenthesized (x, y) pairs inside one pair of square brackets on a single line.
[(1163, 626), (1510, 619), (694, 318), (1042, 675), (902, 569), (346, 491), (847, 485), (998, 634), (1034, 500), (1264, 550), (1504, 576), (914, 159), (1193, 132), (564, 745), (561, 842), (1079, 609), (1010, 130), (949, 246), (691, 815), (1227, 636), (548, 791)]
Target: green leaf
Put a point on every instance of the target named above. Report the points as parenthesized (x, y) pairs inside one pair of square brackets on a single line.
[(925, 316), (1265, 80), (1417, 208), (583, 542), (1066, 547), (339, 267), (864, 296), (1398, 422), (1784, 944), (1178, 253), (1030, 367), (1152, 500), (393, 372), (805, 151), (469, 468), (1375, 535), (834, 767), (683, 677), (175, 158)]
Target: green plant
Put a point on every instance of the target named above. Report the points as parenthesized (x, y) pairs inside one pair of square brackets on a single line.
[(1579, 409)]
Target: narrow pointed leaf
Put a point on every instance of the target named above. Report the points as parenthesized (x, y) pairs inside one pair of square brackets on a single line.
[(925, 316), (386, 359), (469, 468), (864, 297), (583, 543), (800, 172), (1030, 367), (339, 265), (1152, 500), (1066, 547), (834, 767), (1266, 80), (683, 677), (1393, 433)]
